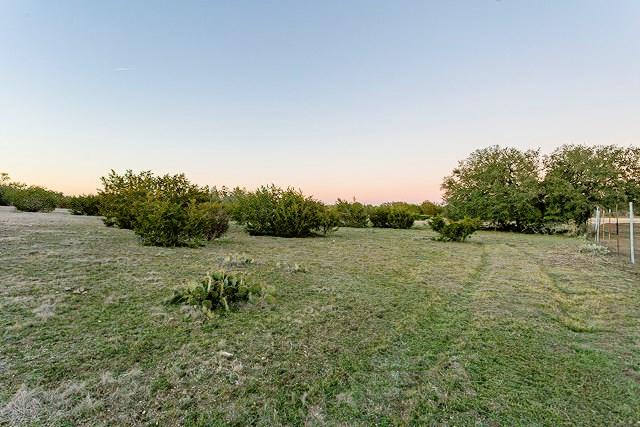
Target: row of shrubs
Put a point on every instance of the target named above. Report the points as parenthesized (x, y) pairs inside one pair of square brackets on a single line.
[(288, 213), (386, 215), (169, 210), (28, 198), (33, 198)]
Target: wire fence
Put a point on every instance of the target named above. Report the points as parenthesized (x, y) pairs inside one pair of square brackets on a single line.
[(618, 229)]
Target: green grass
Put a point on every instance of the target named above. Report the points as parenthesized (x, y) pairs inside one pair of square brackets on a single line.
[(378, 327)]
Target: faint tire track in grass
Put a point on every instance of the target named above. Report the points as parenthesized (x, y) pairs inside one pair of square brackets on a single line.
[(385, 327)]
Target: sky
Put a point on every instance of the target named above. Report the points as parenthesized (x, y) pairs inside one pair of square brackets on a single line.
[(373, 99)]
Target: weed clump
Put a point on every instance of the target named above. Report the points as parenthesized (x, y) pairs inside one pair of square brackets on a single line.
[(295, 268), (594, 249), (238, 260), (218, 291)]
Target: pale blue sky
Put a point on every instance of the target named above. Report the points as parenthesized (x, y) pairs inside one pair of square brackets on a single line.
[(340, 98)]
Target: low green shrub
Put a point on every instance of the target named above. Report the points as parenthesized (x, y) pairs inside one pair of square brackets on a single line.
[(378, 216), (400, 217), (163, 210), (274, 211), (411, 207), (162, 223), (392, 216), (455, 231), (430, 209), (218, 291), (123, 195), (208, 219), (168, 223), (330, 220), (28, 198), (63, 202), (352, 214), (31, 199), (5, 182), (229, 200), (84, 205), (4, 198)]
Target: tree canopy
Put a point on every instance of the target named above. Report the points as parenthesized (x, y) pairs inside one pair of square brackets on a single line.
[(579, 178), (521, 190), (499, 185)]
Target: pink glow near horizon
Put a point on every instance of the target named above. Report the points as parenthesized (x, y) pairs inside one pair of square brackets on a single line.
[(66, 184), (335, 99)]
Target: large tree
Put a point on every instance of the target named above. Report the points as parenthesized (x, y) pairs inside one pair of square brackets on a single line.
[(499, 185), (579, 178)]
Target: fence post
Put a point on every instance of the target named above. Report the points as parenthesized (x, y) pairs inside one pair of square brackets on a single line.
[(631, 243), (597, 225), (617, 231)]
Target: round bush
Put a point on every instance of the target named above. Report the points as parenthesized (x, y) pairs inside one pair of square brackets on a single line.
[(32, 199), (330, 220), (122, 195), (208, 220), (352, 214), (168, 223), (276, 212), (162, 223), (392, 216), (455, 231), (84, 205)]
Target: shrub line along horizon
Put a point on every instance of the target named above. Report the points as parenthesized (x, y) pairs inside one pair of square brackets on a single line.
[(507, 188)]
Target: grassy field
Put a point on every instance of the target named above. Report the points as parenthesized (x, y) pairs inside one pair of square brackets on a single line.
[(385, 327)]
